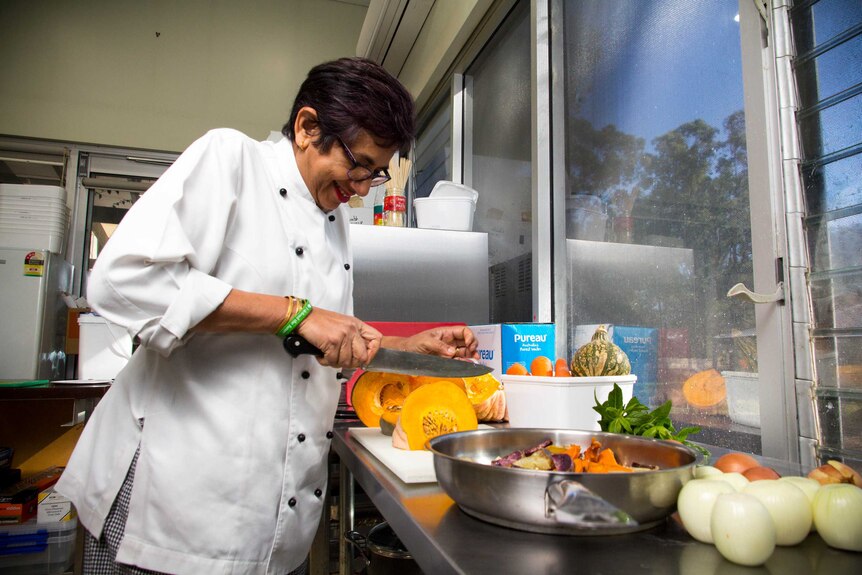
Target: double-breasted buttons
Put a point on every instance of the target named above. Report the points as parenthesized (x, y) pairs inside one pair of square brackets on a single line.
[(347, 266), (301, 437), (305, 375), (291, 502), (318, 493), (328, 435), (299, 251), (331, 218), (283, 192)]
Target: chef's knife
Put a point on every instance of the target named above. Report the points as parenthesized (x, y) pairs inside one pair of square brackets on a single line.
[(392, 361)]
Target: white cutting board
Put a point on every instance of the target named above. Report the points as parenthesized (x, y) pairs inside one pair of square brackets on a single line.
[(409, 466)]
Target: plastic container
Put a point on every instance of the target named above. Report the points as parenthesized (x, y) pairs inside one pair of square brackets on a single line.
[(37, 549), (560, 402), (104, 348), (445, 213), (743, 397)]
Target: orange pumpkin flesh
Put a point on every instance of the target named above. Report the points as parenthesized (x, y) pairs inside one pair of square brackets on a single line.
[(485, 392), (704, 389), (435, 409), (377, 395)]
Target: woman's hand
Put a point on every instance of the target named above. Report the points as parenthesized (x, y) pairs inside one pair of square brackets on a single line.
[(344, 340), (446, 341)]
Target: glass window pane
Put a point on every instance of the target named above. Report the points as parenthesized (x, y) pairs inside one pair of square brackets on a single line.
[(498, 120), (434, 150), (657, 209), (829, 130), (833, 186), (814, 24), (828, 73)]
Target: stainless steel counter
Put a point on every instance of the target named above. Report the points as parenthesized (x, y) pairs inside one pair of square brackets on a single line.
[(445, 540)]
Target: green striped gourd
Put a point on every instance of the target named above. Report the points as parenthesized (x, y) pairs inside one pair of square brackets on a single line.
[(600, 357)]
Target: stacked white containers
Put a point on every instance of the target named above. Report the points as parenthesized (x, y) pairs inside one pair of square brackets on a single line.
[(32, 277)]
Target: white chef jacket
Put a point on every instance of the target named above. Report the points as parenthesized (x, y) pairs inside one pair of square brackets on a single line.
[(231, 474)]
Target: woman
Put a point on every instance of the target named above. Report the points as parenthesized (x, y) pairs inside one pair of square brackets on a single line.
[(208, 454)]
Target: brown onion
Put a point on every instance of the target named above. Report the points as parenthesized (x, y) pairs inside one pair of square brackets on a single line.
[(758, 473), (738, 462)]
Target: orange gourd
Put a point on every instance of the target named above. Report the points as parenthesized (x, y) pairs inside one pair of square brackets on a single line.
[(704, 389)]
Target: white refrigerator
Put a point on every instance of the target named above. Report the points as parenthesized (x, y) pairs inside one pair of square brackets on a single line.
[(32, 314)]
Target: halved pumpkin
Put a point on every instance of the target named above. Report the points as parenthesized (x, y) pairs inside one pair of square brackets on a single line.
[(434, 409), (377, 395), (704, 389), (485, 392)]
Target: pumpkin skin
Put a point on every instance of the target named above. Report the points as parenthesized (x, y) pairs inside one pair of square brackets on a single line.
[(377, 395), (704, 389), (432, 410), (600, 357)]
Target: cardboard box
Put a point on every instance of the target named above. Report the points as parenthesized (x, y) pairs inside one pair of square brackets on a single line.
[(53, 507), (502, 345), (640, 344), (18, 503)]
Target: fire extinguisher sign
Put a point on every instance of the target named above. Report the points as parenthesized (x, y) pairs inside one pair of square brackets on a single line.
[(34, 264)]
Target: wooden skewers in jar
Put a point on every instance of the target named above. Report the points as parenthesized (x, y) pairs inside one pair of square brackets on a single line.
[(395, 202)]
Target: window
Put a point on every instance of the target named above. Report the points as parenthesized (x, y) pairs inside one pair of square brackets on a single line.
[(828, 71), (497, 162), (658, 223)]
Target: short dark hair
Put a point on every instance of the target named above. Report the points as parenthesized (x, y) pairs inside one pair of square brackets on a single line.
[(353, 94)]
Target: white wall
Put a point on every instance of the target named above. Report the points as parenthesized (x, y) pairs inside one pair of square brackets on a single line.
[(157, 74)]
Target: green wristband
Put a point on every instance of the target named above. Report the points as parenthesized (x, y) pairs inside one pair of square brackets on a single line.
[(288, 328)]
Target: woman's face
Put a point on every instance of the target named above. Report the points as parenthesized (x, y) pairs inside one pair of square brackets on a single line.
[(325, 174)]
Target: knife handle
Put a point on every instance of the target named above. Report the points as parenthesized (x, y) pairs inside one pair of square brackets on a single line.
[(296, 345)]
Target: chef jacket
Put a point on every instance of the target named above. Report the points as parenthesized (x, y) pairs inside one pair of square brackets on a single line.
[(231, 474)]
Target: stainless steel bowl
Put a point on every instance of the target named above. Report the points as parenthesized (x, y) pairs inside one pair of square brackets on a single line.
[(561, 502)]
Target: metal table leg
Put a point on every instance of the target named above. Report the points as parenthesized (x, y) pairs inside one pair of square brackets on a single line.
[(346, 495)]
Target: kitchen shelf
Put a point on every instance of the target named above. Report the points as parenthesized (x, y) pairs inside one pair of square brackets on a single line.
[(55, 391)]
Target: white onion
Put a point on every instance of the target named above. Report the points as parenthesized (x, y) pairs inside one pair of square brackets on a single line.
[(706, 471), (788, 506), (742, 529), (736, 479), (838, 515), (809, 487), (695, 505)]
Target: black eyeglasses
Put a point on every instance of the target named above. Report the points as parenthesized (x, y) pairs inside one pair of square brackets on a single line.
[(360, 173)]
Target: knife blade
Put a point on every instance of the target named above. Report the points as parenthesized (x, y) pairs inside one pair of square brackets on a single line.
[(393, 361)]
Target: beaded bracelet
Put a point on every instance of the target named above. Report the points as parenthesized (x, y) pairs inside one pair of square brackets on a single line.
[(291, 310), (297, 319)]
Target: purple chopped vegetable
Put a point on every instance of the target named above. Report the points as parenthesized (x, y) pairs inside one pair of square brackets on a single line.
[(508, 460), (562, 462), (542, 445)]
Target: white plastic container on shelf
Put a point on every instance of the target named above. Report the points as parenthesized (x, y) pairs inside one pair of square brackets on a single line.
[(37, 549), (449, 206), (743, 397), (104, 348), (560, 402)]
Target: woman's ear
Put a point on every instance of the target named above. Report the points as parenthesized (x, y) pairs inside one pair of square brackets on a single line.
[(306, 127)]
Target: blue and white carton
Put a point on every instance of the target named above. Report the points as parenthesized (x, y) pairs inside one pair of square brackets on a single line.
[(503, 344)]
